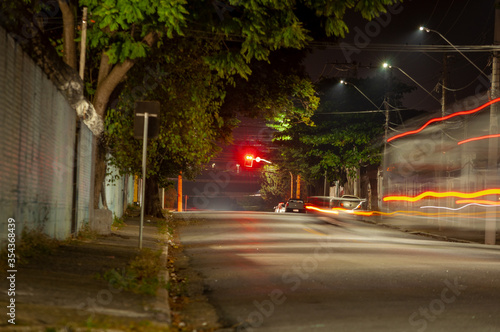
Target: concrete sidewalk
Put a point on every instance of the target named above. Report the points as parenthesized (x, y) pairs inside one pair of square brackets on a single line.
[(445, 230), (65, 289)]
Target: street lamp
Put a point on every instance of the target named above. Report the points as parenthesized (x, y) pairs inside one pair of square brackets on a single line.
[(259, 159), (386, 65), (422, 28), (378, 108), (347, 83)]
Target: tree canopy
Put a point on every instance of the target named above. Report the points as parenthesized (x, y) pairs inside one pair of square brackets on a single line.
[(347, 132), (125, 33)]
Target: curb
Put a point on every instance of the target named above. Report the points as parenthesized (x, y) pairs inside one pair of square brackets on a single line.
[(420, 233), (162, 305)]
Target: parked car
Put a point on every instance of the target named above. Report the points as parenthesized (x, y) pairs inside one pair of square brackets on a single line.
[(295, 205), (280, 208)]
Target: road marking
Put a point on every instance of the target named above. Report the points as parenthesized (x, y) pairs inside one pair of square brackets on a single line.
[(312, 231)]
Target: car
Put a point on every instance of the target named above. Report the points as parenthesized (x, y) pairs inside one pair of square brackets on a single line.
[(280, 208), (346, 202), (350, 202), (295, 205)]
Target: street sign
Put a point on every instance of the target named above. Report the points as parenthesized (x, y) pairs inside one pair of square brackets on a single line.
[(152, 108)]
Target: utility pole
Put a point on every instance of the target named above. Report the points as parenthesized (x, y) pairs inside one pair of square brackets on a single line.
[(324, 188), (83, 42), (385, 174), (490, 226), (444, 84)]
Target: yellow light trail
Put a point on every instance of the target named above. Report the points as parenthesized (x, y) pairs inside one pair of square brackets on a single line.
[(443, 194)]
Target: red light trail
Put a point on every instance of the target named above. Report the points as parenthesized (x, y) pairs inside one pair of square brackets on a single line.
[(478, 138), (442, 119)]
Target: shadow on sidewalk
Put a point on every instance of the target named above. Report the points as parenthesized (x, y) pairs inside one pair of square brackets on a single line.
[(66, 288)]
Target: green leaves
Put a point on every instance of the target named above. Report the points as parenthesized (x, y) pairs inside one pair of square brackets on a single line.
[(121, 25), (190, 123), (128, 49)]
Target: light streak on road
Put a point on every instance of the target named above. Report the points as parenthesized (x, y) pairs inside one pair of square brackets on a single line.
[(314, 208), (312, 231), (477, 201)]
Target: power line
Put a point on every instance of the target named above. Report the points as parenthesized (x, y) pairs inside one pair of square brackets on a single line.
[(373, 47)]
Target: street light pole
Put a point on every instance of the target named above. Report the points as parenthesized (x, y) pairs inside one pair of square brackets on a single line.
[(454, 47), (378, 108), (386, 65), (347, 83)]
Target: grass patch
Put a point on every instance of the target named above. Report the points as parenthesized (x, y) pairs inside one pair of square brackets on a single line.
[(107, 323), (134, 326), (141, 275)]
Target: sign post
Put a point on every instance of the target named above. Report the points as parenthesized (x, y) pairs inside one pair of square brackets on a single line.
[(144, 110)]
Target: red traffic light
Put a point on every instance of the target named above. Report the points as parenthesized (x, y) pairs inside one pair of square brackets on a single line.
[(248, 160)]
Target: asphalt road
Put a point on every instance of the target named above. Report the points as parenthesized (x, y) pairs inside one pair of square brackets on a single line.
[(289, 272)]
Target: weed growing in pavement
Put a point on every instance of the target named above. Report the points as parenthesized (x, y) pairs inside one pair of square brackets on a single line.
[(163, 227), (34, 243), (140, 276), (86, 233), (119, 324), (118, 222)]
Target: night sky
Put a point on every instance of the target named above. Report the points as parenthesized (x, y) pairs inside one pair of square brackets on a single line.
[(462, 22)]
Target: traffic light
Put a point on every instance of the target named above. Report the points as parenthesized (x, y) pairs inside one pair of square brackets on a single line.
[(248, 160)]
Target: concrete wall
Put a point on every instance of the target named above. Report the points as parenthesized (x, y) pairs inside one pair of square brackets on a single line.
[(37, 132), (38, 168)]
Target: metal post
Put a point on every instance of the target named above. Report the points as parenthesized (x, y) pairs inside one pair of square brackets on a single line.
[(163, 198), (144, 159), (179, 192), (385, 174), (324, 190), (298, 186)]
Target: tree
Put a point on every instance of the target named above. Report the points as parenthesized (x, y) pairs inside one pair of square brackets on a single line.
[(275, 184), (190, 124), (26, 22), (125, 31), (343, 139)]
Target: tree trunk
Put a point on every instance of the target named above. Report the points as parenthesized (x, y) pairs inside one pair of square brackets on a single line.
[(65, 78), (152, 199), (108, 79), (69, 45)]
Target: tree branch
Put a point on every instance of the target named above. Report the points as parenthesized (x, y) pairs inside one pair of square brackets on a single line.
[(65, 78), (68, 13)]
